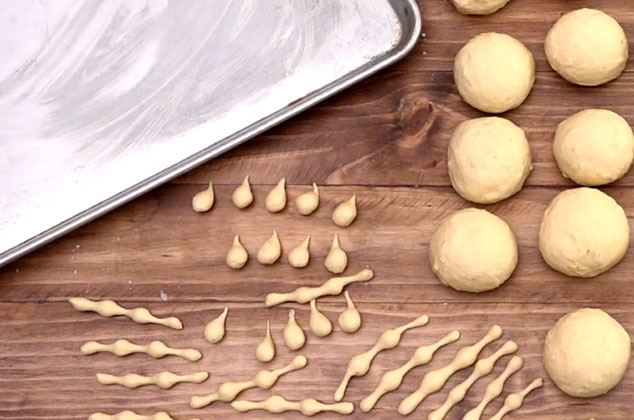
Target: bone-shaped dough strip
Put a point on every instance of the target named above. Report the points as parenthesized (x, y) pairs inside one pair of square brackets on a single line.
[(333, 286), (392, 380), (130, 415), (482, 368), (156, 349), (277, 404), (110, 308), (163, 380), (515, 401), (264, 379), (495, 388), (435, 379), (360, 364)]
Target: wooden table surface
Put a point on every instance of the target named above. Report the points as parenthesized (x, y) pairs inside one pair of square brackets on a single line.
[(384, 140)]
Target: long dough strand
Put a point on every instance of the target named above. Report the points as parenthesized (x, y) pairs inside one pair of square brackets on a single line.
[(264, 379), (392, 380), (277, 404), (110, 308), (360, 364), (482, 368), (435, 379), (515, 401), (156, 349), (333, 286), (163, 380), (495, 388), (130, 415)]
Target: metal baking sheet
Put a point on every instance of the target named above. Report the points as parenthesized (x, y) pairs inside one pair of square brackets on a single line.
[(101, 101)]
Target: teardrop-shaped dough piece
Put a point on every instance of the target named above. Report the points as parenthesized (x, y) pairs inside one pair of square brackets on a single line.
[(204, 200), (294, 336), (215, 329), (337, 259), (350, 319), (276, 199), (300, 255), (265, 351), (271, 250), (308, 202), (243, 197), (319, 324), (345, 213), (237, 255)]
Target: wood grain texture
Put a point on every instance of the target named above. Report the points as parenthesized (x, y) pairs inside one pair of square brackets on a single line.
[(385, 140)]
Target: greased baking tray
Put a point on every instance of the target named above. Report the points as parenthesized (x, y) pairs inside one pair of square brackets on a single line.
[(101, 101)]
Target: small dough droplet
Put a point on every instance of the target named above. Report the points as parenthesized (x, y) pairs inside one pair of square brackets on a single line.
[(294, 336), (350, 319), (243, 197), (204, 200), (237, 255), (215, 330), (300, 256), (308, 202), (265, 351), (337, 259), (345, 213), (276, 200), (319, 324), (271, 250)]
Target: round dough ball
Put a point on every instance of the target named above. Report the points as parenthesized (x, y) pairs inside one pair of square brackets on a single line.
[(473, 251), (594, 147), (494, 72), (479, 7), (586, 353), (587, 47), (489, 159), (584, 233)]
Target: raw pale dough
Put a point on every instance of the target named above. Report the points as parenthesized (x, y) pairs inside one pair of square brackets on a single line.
[(586, 353), (204, 200), (319, 324), (584, 233), (494, 72), (515, 401), (345, 213), (594, 147), (350, 319), (308, 202), (435, 379), (392, 380), (264, 379), (299, 257), (337, 260), (294, 336), (489, 159), (110, 308), (243, 197), (271, 250), (265, 351), (237, 255), (277, 404), (215, 329), (163, 380), (155, 349), (360, 364), (473, 251), (587, 47), (333, 286), (131, 415), (276, 199), (479, 7)]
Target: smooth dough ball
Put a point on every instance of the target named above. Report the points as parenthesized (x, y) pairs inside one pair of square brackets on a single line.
[(586, 353), (584, 233), (489, 159), (587, 47), (479, 7), (494, 72), (473, 251), (594, 147)]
